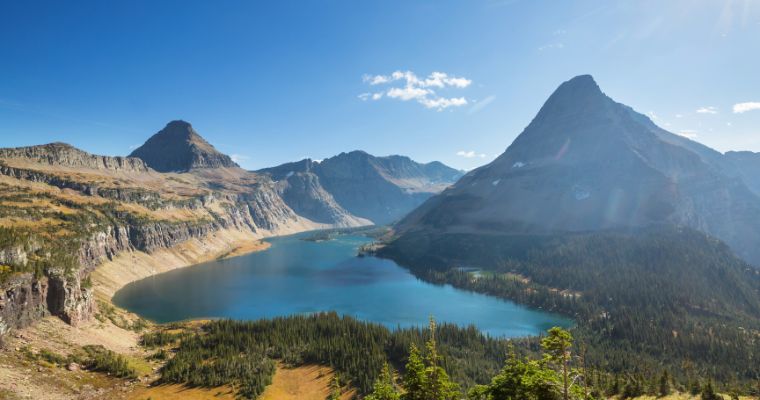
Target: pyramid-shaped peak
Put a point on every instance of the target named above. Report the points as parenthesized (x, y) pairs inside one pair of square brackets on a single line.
[(179, 128), (178, 147), (575, 97), (580, 87), (178, 123)]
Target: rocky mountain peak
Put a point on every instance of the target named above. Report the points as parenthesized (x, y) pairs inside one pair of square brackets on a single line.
[(178, 147)]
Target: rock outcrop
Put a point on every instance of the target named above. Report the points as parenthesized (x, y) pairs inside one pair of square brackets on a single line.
[(62, 154), (23, 300), (179, 148)]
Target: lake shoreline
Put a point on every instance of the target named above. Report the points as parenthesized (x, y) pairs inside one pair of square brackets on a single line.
[(128, 267), (300, 276)]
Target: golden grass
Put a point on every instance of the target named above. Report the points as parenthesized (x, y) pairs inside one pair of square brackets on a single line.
[(686, 396), (180, 392), (246, 248), (303, 383)]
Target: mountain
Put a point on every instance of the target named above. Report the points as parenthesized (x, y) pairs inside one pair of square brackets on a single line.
[(376, 189), (179, 148), (595, 212), (301, 189), (588, 163), (747, 166), (65, 212)]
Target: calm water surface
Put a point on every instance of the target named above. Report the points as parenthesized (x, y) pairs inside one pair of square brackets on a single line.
[(296, 276)]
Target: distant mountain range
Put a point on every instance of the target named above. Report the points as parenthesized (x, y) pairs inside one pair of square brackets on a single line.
[(376, 189), (587, 163)]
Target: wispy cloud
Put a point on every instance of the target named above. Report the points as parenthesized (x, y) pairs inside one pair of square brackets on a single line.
[(744, 107), (406, 86), (480, 105), (470, 154), (550, 46), (707, 110)]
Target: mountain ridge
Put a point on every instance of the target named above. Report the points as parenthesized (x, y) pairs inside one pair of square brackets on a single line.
[(376, 189)]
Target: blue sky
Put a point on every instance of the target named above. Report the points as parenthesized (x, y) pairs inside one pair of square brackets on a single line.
[(272, 82)]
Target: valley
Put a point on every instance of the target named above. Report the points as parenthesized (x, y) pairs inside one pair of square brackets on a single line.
[(640, 242)]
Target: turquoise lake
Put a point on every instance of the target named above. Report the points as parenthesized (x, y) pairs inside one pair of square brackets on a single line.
[(295, 276)]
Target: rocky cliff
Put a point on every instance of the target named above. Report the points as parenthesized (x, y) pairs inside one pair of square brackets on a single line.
[(62, 154)]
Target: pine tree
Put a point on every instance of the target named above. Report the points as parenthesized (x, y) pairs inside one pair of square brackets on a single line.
[(708, 393), (694, 387), (614, 388), (439, 385), (336, 389), (557, 351), (519, 380), (415, 380), (663, 387), (385, 386)]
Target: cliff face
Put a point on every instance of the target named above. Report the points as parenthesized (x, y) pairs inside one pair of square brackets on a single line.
[(62, 154), (178, 147), (23, 300)]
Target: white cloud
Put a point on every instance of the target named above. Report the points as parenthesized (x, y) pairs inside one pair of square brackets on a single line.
[(238, 157), (373, 96), (442, 102), (422, 91), (744, 107), (470, 154), (652, 116), (688, 133), (408, 93), (707, 110), (679, 115)]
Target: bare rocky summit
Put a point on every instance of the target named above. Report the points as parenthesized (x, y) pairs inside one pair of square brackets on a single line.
[(179, 148)]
